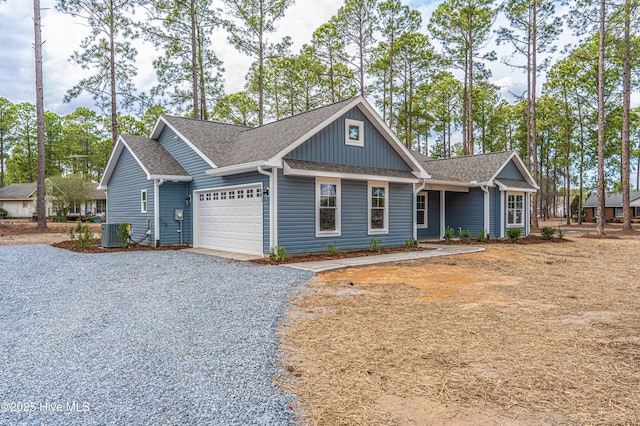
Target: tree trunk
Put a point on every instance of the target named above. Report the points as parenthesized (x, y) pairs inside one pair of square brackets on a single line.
[(580, 195), (194, 61), (534, 140), (626, 115), (470, 94), (601, 209), (391, 83), (40, 208), (112, 70)]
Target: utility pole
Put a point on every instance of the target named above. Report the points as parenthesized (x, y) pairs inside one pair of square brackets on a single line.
[(37, 29)]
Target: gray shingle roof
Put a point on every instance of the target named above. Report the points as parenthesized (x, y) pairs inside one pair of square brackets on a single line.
[(155, 158), (611, 199), (228, 145), (479, 168), (17, 191), (343, 168)]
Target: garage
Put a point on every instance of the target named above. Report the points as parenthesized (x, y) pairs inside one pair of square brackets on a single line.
[(229, 219)]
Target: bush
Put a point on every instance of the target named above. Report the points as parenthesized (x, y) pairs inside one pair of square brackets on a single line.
[(60, 217), (514, 234), (413, 243), (331, 248), (465, 236), (82, 235), (482, 237), (374, 245), (547, 232), (123, 235), (278, 254), (3, 213), (449, 232)]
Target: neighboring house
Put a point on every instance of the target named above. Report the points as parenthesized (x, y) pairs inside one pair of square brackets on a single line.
[(613, 204), (334, 175), (18, 199)]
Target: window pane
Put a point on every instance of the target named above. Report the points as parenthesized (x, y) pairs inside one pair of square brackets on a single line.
[(377, 218), (510, 217), (420, 202), (519, 201), (354, 132), (518, 216), (420, 217), (327, 219)]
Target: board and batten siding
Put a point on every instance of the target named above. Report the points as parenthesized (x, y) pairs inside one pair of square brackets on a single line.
[(123, 197), (328, 146), (510, 171), (465, 210), (297, 215), (197, 167)]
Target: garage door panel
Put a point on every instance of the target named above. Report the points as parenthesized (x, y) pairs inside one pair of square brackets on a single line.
[(231, 224)]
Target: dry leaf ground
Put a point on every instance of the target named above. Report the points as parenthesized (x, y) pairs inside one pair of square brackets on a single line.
[(535, 334)]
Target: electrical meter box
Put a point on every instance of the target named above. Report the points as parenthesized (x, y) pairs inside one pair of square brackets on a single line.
[(179, 214)]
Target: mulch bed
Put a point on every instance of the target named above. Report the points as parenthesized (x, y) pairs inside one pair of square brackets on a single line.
[(531, 239), (313, 257), (96, 248)]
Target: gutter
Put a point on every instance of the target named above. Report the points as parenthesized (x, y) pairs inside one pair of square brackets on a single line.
[(156, 210)]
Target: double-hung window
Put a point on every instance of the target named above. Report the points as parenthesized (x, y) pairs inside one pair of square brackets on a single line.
[(378, 207), (515, 210), (421, 210), (327, 207), (143, 201)]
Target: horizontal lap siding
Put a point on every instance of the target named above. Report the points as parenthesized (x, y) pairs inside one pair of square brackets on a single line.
[(196, 167), (172, 197), (123, 196), (494, 212), (465, 210), (328, 146), (297, 221)]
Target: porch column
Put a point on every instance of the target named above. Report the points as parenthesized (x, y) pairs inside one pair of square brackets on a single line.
[(442, 214)]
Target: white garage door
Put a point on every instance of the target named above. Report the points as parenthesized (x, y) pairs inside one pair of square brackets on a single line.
[(230, 219)]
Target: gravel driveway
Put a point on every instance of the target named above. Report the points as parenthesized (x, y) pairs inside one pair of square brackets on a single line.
[(140, 338)]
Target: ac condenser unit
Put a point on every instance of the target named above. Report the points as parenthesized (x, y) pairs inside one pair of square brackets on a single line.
[(110, 235)]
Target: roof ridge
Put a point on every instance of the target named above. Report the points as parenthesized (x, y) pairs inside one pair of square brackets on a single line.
[(471, 156), (305, 112), (210, 121)]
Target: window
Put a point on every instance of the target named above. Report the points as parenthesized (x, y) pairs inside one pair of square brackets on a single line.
[(143, 201), (232, 195), (618, 212), (240, 193), (101, 206), (249, 193), (215, 196), (378, 211), (327, 207), (515, 210), (421, 210), (201, 197), (354, 132), (208, 195), (223, 195), (25, 204), (637, 213)]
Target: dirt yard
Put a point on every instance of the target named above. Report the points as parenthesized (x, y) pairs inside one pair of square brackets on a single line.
[(519, 334), (20, 231)]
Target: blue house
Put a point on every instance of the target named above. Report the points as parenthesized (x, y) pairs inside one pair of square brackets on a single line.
[(334, 175)]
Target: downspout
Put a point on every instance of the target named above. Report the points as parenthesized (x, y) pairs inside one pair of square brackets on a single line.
[(487, 210), (156, 210), (415, 206), (442, 213), (273, 204)]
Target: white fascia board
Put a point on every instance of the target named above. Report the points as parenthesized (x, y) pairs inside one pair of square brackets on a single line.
[(503, 187), (399, 147), (235, 169), (288, 170), (162, 122), (444, 185), (171, 178), (521, 167), (111, 164)]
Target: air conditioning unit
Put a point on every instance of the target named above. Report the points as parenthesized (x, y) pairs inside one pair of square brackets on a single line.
[(110, 235)]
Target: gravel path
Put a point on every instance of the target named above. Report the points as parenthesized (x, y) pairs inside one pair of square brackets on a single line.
[(140, 338)]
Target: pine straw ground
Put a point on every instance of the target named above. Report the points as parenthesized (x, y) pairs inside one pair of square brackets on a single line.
[(533, 334)]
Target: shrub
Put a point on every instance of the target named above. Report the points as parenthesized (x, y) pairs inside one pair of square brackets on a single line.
[(278, 254), (81, 234), (547, 232), (331, 248), (449, 232), (413, 243), (465, 236), (482, 237), (3, 213), (560, 233), (60, 217), (514, 234), (123, 235), (374, 245)]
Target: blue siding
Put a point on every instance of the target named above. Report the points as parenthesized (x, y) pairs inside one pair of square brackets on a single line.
[(328, 146), (494, 213), (465, 210), (297, 224), (172, 197), (123, 196), (510, 171), (197, 167), (433, 219)]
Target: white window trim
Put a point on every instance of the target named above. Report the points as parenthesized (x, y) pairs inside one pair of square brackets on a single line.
[(521, 224), (338, 231), (360, 142), (616, 210), (425, 225), (144, 201), (384, 185)]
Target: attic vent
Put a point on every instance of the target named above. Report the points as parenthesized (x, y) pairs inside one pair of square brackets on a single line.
[(110, 235)]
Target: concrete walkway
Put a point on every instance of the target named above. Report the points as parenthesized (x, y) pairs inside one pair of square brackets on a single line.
[(435, 250)]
